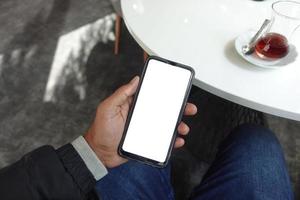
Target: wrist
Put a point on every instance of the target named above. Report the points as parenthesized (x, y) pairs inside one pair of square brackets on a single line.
[(89, 139), (91, 160), (103, 156), (110, 159)]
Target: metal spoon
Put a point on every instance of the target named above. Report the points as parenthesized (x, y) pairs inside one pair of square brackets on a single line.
[(249, 48)]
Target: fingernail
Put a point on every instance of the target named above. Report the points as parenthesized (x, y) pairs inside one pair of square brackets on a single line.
[(134, 79)]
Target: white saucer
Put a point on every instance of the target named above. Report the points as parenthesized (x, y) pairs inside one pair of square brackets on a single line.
[(244, 39)]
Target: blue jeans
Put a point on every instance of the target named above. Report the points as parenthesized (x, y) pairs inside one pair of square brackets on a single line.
[(249, 165)]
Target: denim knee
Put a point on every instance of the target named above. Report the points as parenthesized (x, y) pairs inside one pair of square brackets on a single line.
[(249, 165), (254, 139)]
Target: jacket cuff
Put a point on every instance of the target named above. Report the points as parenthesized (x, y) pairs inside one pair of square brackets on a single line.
[(89, 157), (77, 168)]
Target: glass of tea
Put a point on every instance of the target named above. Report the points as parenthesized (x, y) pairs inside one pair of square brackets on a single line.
[(274, 43)]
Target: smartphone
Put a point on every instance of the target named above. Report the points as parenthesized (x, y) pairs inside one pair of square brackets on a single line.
[(151, 126)]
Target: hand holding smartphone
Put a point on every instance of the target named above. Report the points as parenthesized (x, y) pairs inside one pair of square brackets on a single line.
[(151, 126)]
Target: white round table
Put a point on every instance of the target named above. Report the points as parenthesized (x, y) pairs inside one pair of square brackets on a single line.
[(201, 34)]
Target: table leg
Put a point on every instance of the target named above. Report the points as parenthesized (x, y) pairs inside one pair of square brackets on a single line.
[(117, 34)]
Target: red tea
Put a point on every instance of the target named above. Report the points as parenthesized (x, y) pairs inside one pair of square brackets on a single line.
[(272, 46)]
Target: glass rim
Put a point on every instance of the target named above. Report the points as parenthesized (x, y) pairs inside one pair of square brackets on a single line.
[(283, 15)]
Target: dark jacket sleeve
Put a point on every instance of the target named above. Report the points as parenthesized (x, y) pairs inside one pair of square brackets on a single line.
[(46, 173)]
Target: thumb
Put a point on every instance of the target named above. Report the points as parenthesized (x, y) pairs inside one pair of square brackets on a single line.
[(121, 95)]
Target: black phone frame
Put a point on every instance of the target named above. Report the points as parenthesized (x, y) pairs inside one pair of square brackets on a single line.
[(142, 159)]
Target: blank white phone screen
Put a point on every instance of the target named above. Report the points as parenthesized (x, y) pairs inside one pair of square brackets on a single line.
[(156, 112)]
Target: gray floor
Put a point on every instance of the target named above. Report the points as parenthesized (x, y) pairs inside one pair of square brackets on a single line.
[(29, 36)]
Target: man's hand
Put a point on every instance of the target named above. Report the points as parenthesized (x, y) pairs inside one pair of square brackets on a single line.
[(105, 133)]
